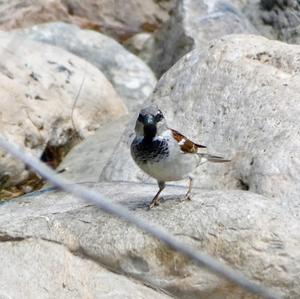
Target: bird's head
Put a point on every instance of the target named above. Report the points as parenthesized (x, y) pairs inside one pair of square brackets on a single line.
[(150, 123)]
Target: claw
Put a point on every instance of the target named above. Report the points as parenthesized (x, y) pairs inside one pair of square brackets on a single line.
[(188, 196), (153, 204), (155, 200)]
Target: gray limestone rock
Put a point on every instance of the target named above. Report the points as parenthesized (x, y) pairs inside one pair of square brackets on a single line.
[(43, 269), (39, 84), (257, 235), (240, 98), (276, 19), (193, 24), (85, 162), (131, 77)]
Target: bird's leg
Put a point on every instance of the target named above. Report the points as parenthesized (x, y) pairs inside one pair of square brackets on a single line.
[(155, 200), (188, 194)]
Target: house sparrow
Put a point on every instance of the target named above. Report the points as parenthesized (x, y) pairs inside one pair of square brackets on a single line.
[(164, 153)]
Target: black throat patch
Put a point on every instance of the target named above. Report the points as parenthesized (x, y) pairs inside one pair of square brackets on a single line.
[(150, 150)]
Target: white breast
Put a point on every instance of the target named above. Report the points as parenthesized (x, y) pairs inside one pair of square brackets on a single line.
[(176, 166)]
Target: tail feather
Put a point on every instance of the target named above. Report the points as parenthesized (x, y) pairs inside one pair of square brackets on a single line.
[(214, 159)]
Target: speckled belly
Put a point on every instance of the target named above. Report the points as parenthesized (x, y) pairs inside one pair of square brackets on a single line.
[(163, 161)]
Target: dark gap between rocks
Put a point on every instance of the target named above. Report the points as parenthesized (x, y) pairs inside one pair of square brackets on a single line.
[(242, 185), (52, 156)]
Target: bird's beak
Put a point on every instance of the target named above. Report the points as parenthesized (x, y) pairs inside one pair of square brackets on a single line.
[(149, 126)]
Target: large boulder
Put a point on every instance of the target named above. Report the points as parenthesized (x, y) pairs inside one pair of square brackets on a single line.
[(240, 98), (193, 24), (44, 269), (130, 76), (247, 231), (39, 84)]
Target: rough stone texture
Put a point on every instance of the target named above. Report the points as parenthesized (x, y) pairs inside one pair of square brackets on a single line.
[(85, 162), (277, 19), (193, 24), (121, 19), (116, 18), (38, 85), (240, 98), (130, 76), (136, 43), (240, 4), (43, 269), (142, 45), (248, 231), (25, 13)]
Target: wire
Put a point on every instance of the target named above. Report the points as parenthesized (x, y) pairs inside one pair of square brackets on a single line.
[(97, 199), (77, 96)]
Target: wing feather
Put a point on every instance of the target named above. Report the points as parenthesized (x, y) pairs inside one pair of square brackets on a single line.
[(186, 145)]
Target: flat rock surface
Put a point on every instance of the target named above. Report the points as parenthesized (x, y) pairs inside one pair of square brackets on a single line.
[(247, 231)]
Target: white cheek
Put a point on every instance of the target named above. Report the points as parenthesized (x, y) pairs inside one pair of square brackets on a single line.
[(139, 129), (161, 127)]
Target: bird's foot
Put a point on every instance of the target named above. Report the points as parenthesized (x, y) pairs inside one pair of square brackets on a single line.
[(154, 202), (188, 197)]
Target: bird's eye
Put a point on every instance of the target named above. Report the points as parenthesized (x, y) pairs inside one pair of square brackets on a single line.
[(159, 116)]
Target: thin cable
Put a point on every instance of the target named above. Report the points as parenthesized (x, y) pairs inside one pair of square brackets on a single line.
[(91, 196), (77, 97)]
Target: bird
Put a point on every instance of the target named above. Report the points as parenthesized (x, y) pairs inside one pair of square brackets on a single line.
[(164, 153)]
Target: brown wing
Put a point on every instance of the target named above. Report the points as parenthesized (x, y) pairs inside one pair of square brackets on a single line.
[(186, 145)]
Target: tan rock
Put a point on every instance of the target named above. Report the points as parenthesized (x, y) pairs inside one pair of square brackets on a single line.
[(115, 18), (131, 77), (122, 19), (39, 84), (25, 13)]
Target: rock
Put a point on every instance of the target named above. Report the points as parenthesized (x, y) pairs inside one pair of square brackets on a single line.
[(26, 13), (39, 84), (240, 4), (240, 98), (137, 43), (43, 269), (245, 230), (85, 162), (112, 18), (130, 76), (276, 19), (193, 24), (119, 19)]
